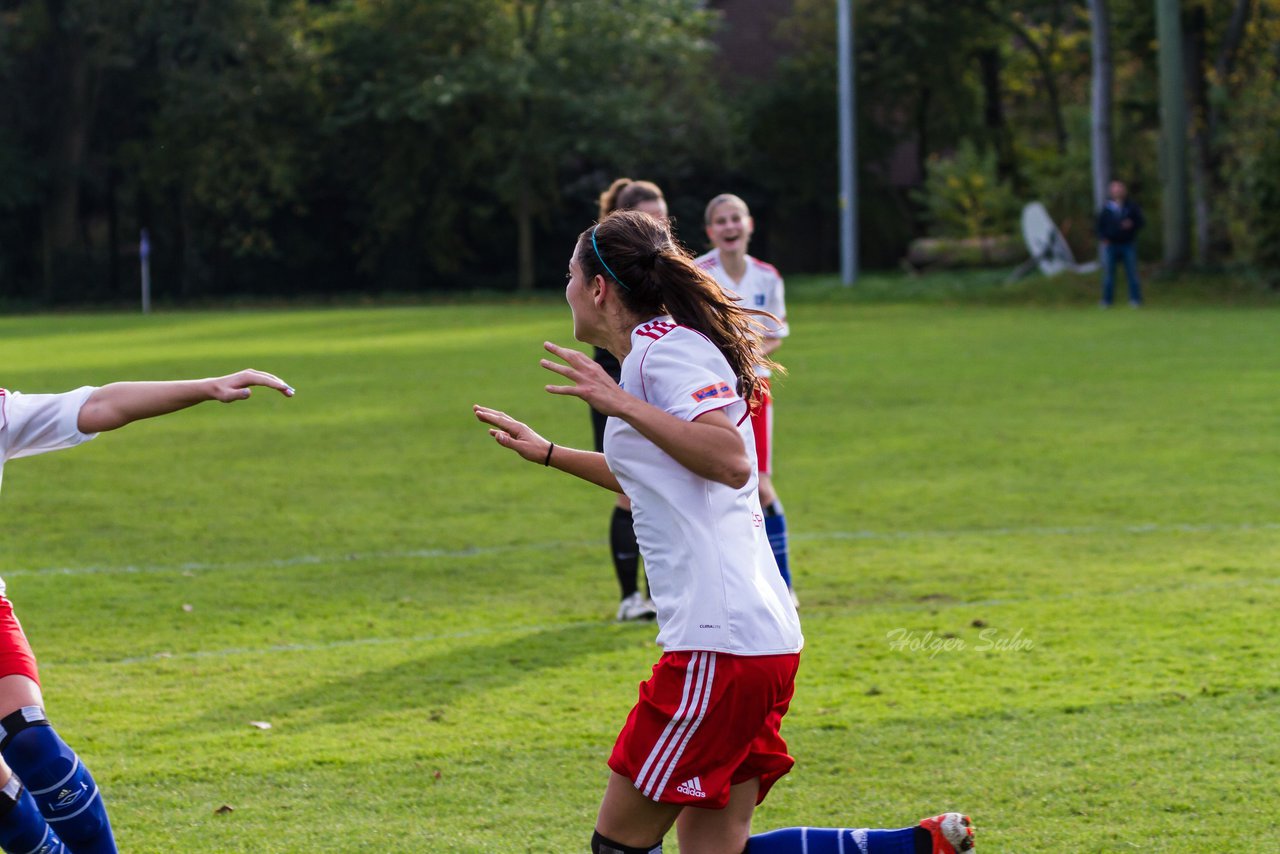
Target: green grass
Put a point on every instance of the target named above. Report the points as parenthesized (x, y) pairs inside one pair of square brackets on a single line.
[(1070, 518)]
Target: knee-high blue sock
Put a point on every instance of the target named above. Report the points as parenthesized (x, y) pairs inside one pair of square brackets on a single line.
[(22, 829), (775, 526), (62, 787), (830, 840)]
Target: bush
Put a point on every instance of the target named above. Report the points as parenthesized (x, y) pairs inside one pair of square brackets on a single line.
[(963, 197)]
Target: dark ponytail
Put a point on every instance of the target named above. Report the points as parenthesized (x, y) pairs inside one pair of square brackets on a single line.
[(658, 276)]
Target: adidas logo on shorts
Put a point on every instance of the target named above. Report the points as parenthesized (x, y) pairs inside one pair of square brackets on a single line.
[(692, 788)]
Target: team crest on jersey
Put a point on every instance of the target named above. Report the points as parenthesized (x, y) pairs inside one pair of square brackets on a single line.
[(656, 329), (713, 390), (759, 298)]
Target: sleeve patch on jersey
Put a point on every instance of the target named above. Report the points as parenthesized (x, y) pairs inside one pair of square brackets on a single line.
[(713, 390)]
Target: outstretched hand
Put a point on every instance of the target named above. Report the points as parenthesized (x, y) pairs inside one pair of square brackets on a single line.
[(513, 434), (238, 386), (591, 382)]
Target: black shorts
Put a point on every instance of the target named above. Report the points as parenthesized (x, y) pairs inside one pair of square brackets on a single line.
[(611, 365)]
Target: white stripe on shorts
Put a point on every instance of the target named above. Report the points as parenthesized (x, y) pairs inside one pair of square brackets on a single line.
[(710, 664), (662, 760)]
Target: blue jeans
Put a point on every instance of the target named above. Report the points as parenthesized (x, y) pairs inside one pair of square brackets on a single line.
[(1126, 253)]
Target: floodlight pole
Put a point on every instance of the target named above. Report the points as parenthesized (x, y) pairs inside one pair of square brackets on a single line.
[(848, 147)]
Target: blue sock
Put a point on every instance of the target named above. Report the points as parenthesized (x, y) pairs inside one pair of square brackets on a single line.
[(830, 840), (22, 828), (775, 525), (62, 787)]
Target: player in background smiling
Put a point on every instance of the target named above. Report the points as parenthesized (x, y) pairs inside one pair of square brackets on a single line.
[(49, 803), (729, 227), (702, 745)]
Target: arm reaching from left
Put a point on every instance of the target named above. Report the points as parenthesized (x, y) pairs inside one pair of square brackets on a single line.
[(115, 405)]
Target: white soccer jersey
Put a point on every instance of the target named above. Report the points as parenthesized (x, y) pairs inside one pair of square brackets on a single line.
[(711, 572), (761, 288), (35, 423)]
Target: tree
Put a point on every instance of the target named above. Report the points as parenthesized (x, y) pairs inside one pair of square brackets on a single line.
[(577, 80), (1014, 21), (236, 112), (59, 54), (1206, 84), (1250, 116), (450, 110)]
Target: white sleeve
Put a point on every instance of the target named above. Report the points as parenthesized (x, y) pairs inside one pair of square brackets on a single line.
[(686, 375), (33, 424), (776, 305)]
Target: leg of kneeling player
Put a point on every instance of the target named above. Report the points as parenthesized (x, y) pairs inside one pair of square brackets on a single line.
[(22, 828), (50, 771)]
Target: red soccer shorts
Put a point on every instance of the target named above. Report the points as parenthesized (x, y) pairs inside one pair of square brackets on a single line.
[(16, 657), (762, 427), (706, 721)]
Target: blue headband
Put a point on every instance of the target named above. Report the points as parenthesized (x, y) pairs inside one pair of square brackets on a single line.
[(599, 256)]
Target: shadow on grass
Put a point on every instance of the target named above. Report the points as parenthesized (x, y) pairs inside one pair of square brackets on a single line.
[(432, 683)]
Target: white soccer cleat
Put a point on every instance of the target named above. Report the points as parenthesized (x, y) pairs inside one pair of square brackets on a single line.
[(636, 607)]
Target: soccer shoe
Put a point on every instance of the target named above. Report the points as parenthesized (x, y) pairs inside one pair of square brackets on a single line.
[(795, 600), (636, 607), (952, 832)]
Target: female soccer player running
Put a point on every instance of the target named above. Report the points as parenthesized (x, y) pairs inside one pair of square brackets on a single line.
[(49, 803), (702, 746), (646, 197), (730, 226)]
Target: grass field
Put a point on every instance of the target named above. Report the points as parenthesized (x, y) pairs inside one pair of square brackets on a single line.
[(1036, 547)]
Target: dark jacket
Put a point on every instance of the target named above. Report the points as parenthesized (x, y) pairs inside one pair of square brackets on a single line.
[(1110, 219)]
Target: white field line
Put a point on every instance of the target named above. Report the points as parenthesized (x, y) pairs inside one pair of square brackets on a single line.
[(483, 551), (298, 560), (822, 613)]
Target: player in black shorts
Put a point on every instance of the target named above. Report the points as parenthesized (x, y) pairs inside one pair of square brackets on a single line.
[(646, 197)]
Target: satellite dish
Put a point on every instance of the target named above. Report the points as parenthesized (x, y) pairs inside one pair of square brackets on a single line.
[(1048, 248)]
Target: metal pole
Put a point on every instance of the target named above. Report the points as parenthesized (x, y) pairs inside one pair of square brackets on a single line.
[(848, 147), (144, 253), (1100, 101)]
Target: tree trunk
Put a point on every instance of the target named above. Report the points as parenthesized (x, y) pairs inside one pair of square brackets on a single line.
[(1101, 101), (1230, 49), (188, 268), (1050, 86), (524, 239), (922, 132), (529, 28), (69, 141), (113, 233), (1223, 68), (993, 114), (1201, 160), (1042, 63)]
